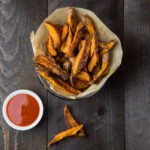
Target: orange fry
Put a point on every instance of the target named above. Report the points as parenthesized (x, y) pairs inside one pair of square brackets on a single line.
[(70, 132)]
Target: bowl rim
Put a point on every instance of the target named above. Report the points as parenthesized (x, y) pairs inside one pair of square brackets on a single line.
[(8, 98)]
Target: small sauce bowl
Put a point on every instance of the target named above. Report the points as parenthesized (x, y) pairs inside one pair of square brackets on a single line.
[(9, 99)]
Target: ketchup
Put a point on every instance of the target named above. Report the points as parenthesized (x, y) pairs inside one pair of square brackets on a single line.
[(22, 109)]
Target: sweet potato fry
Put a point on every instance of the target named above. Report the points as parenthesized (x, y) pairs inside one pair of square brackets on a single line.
[(55, 34), (78, 35), (92, 62), (105, 63), (71, 122), (88, 22), (94, 45), (83, 75), (93, 53), (49, 45), (71, 19), (82, 57), (68, 42), (60, 84), (79, 84), (70, 132), (110, 45), (64, 32), (52, 67)]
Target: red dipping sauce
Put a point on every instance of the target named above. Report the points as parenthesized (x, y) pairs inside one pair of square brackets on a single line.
[(22, 109)]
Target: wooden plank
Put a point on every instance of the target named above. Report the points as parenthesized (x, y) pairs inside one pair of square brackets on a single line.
[(103, 113), (18, 19), (137, 74)]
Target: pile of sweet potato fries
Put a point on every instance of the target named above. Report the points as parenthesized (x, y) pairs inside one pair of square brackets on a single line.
[(76, 58)]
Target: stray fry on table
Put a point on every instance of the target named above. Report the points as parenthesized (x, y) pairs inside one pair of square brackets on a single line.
[(71, 122), (70, 132)]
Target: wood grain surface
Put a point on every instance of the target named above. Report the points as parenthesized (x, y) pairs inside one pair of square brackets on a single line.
[(17, 20), (117, 117), (103, 113), (137, 74)]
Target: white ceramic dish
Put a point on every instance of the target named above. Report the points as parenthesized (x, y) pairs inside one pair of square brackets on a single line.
[(22, 92)]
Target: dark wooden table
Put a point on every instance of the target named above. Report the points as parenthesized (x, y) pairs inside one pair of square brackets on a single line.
[(117, 117)]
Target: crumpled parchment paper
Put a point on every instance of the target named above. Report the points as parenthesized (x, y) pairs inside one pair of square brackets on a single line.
[(104, 34)]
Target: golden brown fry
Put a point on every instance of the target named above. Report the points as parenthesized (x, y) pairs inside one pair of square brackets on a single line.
[(55, 34), (92, 62), (79, 84), (94, 45), (83, 75), (88, 22), (105, 63), (78, 35), (110, 45), (52, 67), (65, 49), (70, 132), (82, 57), (93, 53), (49, 45), (64, 32), (71, 122), (60, 84), (71, 19)]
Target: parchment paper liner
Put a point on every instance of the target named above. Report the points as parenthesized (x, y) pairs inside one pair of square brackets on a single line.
[(104, 34)]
